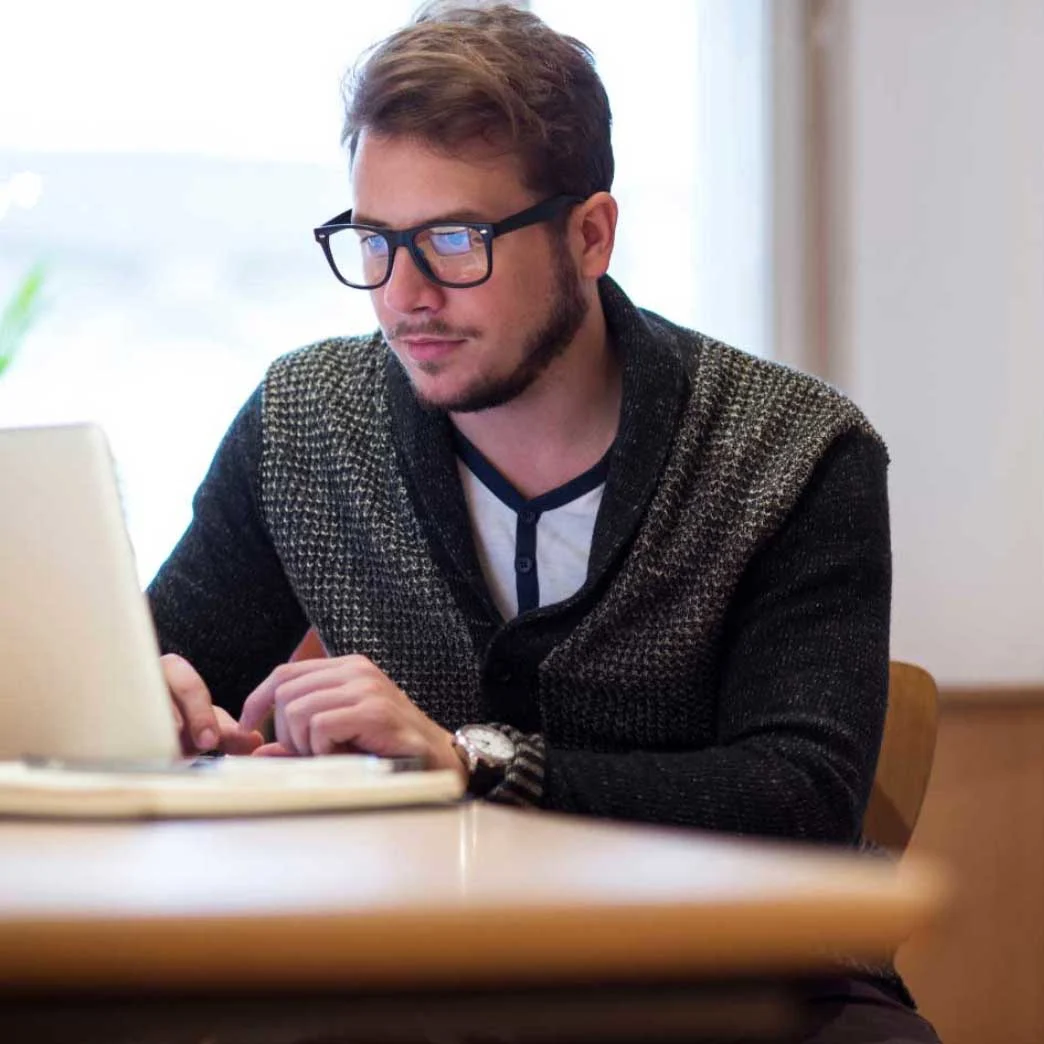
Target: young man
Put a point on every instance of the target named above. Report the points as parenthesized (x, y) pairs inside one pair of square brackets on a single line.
[(594, 561)]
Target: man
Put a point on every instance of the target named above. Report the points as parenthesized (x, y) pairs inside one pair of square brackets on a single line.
[(591, 560)]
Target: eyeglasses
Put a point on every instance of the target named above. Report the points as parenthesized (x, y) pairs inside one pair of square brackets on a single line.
[(455, 254)]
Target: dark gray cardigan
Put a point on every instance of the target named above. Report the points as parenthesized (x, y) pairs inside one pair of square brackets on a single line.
[(724, 666)]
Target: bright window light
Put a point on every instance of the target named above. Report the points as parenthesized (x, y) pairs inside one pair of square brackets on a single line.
[(166, 162)]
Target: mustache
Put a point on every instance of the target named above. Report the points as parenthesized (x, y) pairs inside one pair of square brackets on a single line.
[(432, 328)]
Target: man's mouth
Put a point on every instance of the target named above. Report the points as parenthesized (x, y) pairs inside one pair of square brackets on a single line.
[(429, 348)]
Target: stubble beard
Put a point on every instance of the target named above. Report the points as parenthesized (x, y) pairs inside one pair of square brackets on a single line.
[(543, 346)]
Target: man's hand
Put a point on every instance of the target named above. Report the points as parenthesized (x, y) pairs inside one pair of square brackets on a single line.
[(341, 705), (201, 725)]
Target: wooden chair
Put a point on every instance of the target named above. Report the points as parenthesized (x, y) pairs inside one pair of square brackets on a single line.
[(907, 751)]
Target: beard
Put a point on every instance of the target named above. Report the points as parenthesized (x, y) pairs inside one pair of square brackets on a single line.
[(541, 348)]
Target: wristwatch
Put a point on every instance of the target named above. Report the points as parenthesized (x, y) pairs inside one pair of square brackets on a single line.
[(486, 753)]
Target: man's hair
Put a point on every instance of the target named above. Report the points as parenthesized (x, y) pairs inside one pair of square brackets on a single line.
[(493, 75)]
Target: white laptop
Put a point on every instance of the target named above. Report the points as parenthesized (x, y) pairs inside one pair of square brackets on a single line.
[(86, 727)]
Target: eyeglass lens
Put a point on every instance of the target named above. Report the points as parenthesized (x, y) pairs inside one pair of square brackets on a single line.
[(454, 253)]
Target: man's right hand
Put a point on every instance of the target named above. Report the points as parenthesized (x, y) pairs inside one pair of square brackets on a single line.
[(201, 725)]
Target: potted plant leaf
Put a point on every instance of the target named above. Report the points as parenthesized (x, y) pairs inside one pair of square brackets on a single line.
[(20, 312)]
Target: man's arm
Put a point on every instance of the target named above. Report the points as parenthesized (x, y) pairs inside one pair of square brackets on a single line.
[(222, 600), (803, 685)]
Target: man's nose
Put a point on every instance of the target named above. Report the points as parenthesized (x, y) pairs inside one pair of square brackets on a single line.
[(408, 289)]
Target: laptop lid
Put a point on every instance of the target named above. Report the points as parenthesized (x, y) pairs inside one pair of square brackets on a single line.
[(80, 677)]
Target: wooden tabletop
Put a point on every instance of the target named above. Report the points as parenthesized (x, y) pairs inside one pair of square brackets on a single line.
[(460, 895)]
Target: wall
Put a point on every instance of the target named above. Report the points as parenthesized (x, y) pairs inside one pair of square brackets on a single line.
[(923, 254), (937, 300), (979, 974)]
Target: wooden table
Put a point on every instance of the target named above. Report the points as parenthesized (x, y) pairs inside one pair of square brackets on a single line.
[(418, 924)]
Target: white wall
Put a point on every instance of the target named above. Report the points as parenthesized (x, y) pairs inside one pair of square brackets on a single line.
[(941, 315)]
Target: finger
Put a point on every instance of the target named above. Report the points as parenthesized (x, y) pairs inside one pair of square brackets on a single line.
[(371, 726), (233, 738), (185, 741), (192, 700), (272, 750), (334, 731), (354, 671), (293, 717), (261, 701)]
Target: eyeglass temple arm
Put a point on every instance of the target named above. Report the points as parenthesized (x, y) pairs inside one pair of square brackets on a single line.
[(533, 215)]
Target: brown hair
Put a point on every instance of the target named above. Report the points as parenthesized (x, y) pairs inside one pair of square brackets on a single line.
[(493, 74)]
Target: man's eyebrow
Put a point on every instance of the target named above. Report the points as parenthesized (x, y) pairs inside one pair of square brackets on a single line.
[(447, 218)]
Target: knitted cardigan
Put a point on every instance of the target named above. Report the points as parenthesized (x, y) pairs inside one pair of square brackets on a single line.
[(725, 664)]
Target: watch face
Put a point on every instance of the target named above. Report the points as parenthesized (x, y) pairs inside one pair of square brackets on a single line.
[(491, 744)]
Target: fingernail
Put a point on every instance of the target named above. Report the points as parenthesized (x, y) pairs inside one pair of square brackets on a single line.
[(207, 739)]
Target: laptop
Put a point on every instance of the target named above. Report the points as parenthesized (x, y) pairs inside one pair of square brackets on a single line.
[(86, 726)]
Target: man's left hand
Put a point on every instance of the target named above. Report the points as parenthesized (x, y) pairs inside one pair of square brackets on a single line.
[(341, 705)]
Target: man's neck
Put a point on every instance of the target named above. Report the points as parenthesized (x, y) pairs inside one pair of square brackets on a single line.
[(563, 424)]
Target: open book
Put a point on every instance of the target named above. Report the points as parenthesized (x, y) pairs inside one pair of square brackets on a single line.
[(220, 787)]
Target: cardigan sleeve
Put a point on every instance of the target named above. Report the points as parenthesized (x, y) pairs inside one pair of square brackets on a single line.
[(222, 599), (803, 686)]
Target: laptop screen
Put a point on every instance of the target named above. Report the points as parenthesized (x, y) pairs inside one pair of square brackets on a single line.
[(80, 677)]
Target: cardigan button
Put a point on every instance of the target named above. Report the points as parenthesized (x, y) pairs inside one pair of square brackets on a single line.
[(524, 564)]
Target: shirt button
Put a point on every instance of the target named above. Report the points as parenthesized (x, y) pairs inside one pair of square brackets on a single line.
[(524, 564), (527, 517)]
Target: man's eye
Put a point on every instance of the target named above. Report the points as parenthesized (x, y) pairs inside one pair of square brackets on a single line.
[(374, 246), (451, 240)]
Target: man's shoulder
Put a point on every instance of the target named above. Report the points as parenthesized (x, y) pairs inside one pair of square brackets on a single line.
[(731, 393), (333, 358), (335, 372), (736, 391)]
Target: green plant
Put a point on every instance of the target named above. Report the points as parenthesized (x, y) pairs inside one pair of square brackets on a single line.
[(20, 312)]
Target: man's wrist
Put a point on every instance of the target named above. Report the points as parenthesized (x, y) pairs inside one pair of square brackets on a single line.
[(520, 780), (445, 756), (486, 752)]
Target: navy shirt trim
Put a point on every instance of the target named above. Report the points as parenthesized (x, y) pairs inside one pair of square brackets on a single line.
[(528, 511)]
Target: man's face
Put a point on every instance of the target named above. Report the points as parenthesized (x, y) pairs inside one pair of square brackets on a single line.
[(479, 347)]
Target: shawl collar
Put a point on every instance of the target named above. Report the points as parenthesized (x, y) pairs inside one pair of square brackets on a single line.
[(655, 388)]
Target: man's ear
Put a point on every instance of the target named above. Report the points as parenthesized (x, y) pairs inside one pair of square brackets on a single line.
[(593, 232)]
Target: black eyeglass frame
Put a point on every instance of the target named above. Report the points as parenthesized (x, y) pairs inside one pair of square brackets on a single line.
[(406, 237)]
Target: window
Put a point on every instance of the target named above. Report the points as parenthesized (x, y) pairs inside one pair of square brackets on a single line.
[(687, 84), (168, 175)]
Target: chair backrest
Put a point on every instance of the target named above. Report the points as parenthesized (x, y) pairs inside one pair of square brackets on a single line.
[(907, 751)]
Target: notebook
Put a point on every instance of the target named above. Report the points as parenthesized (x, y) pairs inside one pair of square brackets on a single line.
[(86, 727)]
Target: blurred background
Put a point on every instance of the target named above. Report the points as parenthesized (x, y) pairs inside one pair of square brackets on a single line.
[(166, 163), (852, 187)]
